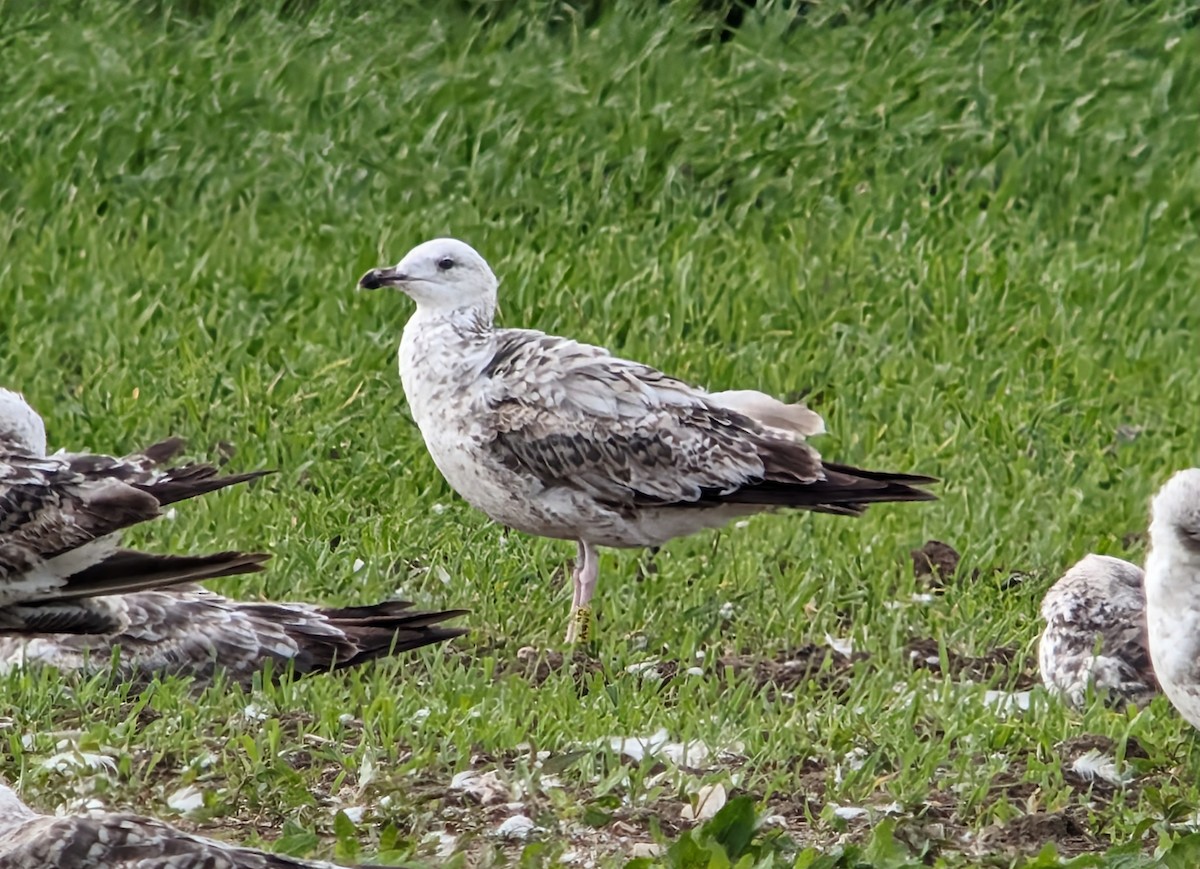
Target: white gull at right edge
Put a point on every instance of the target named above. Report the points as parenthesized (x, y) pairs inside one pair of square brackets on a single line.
[(561, 439), (1173, 591)]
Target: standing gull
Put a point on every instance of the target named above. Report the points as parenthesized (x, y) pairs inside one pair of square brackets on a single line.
[(1173, 591), (561, 439), (1096, 633), (108, 840)]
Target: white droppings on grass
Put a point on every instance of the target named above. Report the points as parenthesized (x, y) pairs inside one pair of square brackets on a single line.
[(742, 523), (421, 715), (645, 850), (254, 712), (708, 800), (486, 788), (1007, 702), (358, 565), (443, 576), (171, 515), (659, 745), (649, 669), (694, 671), (848, 813), (843, 646), (438, 509), (727, 610), (187, 799), (518, 828), (353, 813), (444, 843)]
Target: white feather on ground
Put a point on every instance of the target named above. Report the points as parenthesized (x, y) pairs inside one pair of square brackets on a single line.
[(561, 439)]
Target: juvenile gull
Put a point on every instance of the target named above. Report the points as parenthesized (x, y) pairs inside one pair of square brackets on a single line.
[(107, 840), (193, 632), (60, 521), (561, 439), (1173, 591), (70, 609), (1096, 633)]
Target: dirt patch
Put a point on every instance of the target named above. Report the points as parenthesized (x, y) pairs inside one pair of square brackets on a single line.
[(935, 562), (792, 669), (998, 665), (1028, 834)]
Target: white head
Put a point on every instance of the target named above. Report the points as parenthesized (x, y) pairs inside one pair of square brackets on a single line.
[(13, 812), (1092, 581), (1175, 513), (440, 275), (20, 423)]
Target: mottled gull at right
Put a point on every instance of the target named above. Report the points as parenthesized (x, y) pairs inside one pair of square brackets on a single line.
[(1095, 634), (1173, 591), (564, 440), (98, 839)]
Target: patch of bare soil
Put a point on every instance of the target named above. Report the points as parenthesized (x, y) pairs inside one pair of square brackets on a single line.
[(793, 669), (1028, 834), (999, 664), (935, 562)]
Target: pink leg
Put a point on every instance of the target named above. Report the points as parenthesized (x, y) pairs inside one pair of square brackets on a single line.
[(583, 577)]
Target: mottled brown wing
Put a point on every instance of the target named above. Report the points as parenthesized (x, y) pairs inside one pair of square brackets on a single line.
[(571, 415)]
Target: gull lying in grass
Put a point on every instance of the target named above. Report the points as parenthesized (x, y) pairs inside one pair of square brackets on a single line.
[(1096, 633), (106, 840), (1173, 591), (60, 521), (69, 599), (561, 439), (193, 632)]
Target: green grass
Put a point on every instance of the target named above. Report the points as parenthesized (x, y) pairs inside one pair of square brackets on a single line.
[(968, 235)]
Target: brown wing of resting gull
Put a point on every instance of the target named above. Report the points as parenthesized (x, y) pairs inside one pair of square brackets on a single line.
[(99, 839), (561, 439), (60, 521), (1095, 634), (1173, 591), (194, 632)]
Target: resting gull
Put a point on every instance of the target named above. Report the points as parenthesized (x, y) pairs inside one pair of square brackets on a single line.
[(1096, 633), (561, 439), (1173, 591), (197, 633), (60, 521), (107, 840), (69, 605)]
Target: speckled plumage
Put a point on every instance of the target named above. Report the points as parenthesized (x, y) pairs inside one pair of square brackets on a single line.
[(1095, 633), (1172, 586), (60, 520), (197, 633), (108, 840), (562, 439)]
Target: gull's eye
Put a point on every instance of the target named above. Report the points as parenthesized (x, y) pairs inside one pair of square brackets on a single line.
[(445, 264)]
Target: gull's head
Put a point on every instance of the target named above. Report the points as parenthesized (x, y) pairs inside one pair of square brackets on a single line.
[(20, 424), (443, 274), (13, 812), (1175, 512)]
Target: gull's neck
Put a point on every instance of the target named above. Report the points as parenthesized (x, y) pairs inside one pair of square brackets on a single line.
[(1172, 605)]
